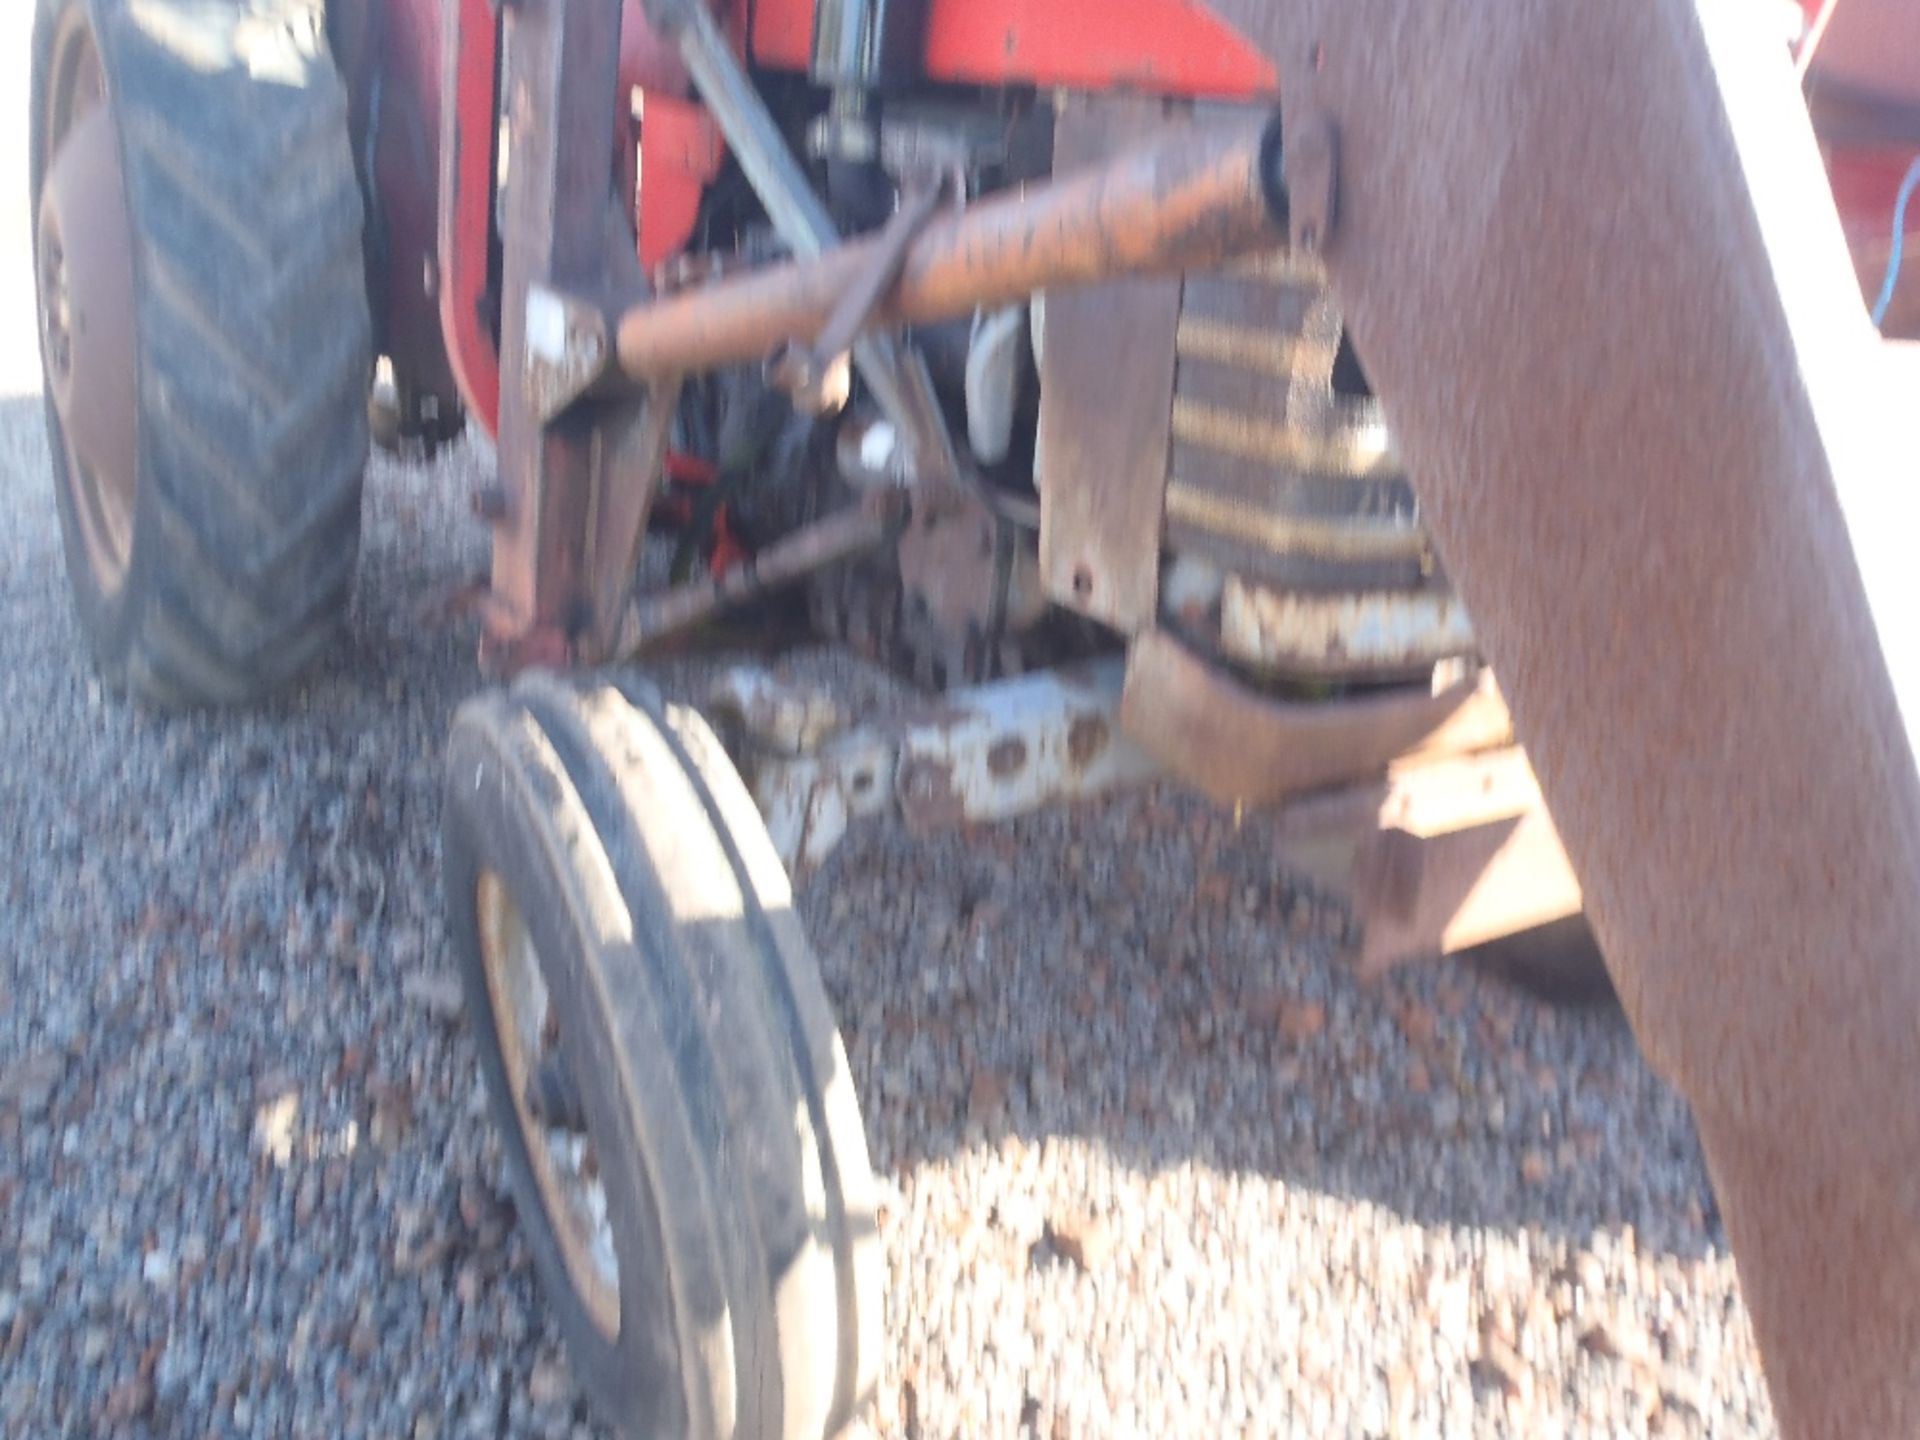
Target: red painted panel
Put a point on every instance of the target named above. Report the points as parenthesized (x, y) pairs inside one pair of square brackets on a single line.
[(1866, 184), (466, 203), (680, 153), (1170, 47), (1159, 46), (782, 33)]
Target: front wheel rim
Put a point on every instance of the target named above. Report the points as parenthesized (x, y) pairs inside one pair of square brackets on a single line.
[(558, 1144)]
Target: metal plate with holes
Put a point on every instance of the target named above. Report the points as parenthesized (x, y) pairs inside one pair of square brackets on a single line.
[(980, 754)]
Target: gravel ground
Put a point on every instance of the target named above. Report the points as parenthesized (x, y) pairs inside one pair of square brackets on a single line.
[(1155, 1163)]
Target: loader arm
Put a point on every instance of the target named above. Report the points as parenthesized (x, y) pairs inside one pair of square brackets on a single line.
[(1607, 226)]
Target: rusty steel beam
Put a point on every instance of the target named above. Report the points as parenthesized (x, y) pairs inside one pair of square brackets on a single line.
[(560, 88), (1458, 852), (1241, 747), (1437, 856), (1422, 895), (1609, 308), (1194, 199)]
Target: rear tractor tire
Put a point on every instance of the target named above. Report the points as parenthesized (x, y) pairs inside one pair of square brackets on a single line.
[(205, 335), (680, 1128)]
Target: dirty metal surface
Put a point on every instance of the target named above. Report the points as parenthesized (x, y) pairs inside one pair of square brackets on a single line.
[(982, 754), (652, 619), (894, 371), (1239, 746), (1012, 747), (1377, 633), (560, 89), (1185, 199), (1690, 354), (1439, 855), (566, 349), (969, 580), (816, 376), (1423, 796), (1278, 471), (634, 446), (780, 717), (1417, 896), (1104, 426)]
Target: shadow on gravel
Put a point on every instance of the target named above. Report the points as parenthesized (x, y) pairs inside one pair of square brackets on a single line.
[(209, 920), (1145, 976)]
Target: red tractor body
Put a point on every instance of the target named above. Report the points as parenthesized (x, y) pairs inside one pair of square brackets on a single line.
[(431, 286)]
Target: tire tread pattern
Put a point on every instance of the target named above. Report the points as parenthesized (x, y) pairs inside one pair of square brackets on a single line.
[(255, 346), (709, 987)]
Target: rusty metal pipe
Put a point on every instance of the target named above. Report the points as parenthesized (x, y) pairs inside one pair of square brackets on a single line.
[(1194, 199), (840, 536)]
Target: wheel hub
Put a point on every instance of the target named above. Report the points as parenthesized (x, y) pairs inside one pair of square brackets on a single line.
[(56, 330), (85, 273)]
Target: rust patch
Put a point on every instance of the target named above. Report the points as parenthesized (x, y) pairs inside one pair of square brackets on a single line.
[(1086, 738), (1007, 758), (928, 799), (1239, 745)]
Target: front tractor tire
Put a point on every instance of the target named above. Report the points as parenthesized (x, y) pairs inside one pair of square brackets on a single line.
[(680, 1129), (205, 335)]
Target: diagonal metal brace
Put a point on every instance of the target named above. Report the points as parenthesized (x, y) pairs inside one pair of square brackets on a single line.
[(818, 378), (894, 370)]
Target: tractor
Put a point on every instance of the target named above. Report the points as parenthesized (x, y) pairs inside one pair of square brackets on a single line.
[(1002, 342)]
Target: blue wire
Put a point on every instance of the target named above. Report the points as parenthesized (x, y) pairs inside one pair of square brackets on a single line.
[(1885, 302)]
